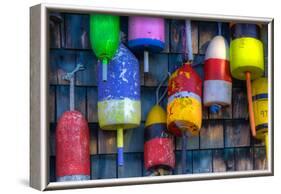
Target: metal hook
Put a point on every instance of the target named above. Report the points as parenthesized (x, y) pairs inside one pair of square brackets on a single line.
[(68, 76)]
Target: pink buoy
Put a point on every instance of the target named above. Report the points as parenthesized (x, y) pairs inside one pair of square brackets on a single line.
[(146, 34)]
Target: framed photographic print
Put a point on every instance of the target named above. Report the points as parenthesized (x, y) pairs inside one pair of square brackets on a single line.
[(122, 97)]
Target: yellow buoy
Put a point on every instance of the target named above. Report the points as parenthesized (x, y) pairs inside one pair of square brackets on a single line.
[(260, 107)]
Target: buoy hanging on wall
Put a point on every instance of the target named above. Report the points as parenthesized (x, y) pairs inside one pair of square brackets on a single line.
[(72, 141), (260, 107), (146, 34), (246, 59), (184, 107), (217, 78), (119, 104), (104, 37), (159, 157)]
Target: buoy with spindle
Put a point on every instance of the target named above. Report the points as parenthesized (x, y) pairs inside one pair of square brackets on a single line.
[(260, 107), (72, 141), (104, 37), (119, 105), (159, 157), (217, 85), (184, 109), (246, 59), (146, 34)]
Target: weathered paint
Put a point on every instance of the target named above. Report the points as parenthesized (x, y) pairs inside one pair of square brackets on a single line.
[(184, 101), (158, 145), (72, 147)]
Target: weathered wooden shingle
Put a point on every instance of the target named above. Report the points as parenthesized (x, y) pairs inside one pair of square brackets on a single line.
[(93, 127), (92, 104), (132, 166), (212, 135), (178, 167), (133, 139), (56, 26), (77, 31), (103, 166), (52, 103), (107, 141), (223, 160), (237, 133), (147, 101), (202, 161), (260, 158), (243, 159), (207, 30), (239, 103)]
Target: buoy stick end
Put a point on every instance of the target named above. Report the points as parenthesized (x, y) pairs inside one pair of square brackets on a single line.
[(146, 61), (250, 104), (120, 147), (104, 69)]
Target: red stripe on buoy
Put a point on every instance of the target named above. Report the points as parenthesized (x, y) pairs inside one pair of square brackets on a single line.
[(217, 69), (185, 79), (159, 152)]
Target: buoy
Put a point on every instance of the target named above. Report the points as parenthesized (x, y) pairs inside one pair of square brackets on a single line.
[(119, 105), (184, 101), (246, 59), (72, 141), (260, 107), (184, 107), (159, 157), (104, 37), (146, 34), (217, 78)]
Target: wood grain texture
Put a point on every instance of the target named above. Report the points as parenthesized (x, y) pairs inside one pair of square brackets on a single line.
[(103, 166), (52, 137), (147, 101), (167, 36), (243, 159), (202, 161), (212, 135), (107, 141), (178, 36), (223, 160), (178, 167), (56, 27), (94, 127), (88, 77), (132, 166), (260, 161), (92, 106), (52, 103), (239, 103), (134, 139), (207, 30), (237, 133), (158, 69), (62, 96), (192, 143), (77, 31)]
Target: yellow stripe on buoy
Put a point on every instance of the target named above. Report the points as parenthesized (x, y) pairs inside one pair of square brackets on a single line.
[(186, 113)]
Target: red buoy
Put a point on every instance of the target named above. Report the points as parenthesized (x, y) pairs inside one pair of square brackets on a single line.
[(72, 141)]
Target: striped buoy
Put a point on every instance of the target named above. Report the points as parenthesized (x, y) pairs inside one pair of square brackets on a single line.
[(217, 78), (119, 105), (184, 107), (260, 107)]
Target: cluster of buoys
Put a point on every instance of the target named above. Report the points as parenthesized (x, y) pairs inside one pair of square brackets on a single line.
[(119, 105)]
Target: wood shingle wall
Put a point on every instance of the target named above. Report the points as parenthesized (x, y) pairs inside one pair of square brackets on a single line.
[(224, 144)]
